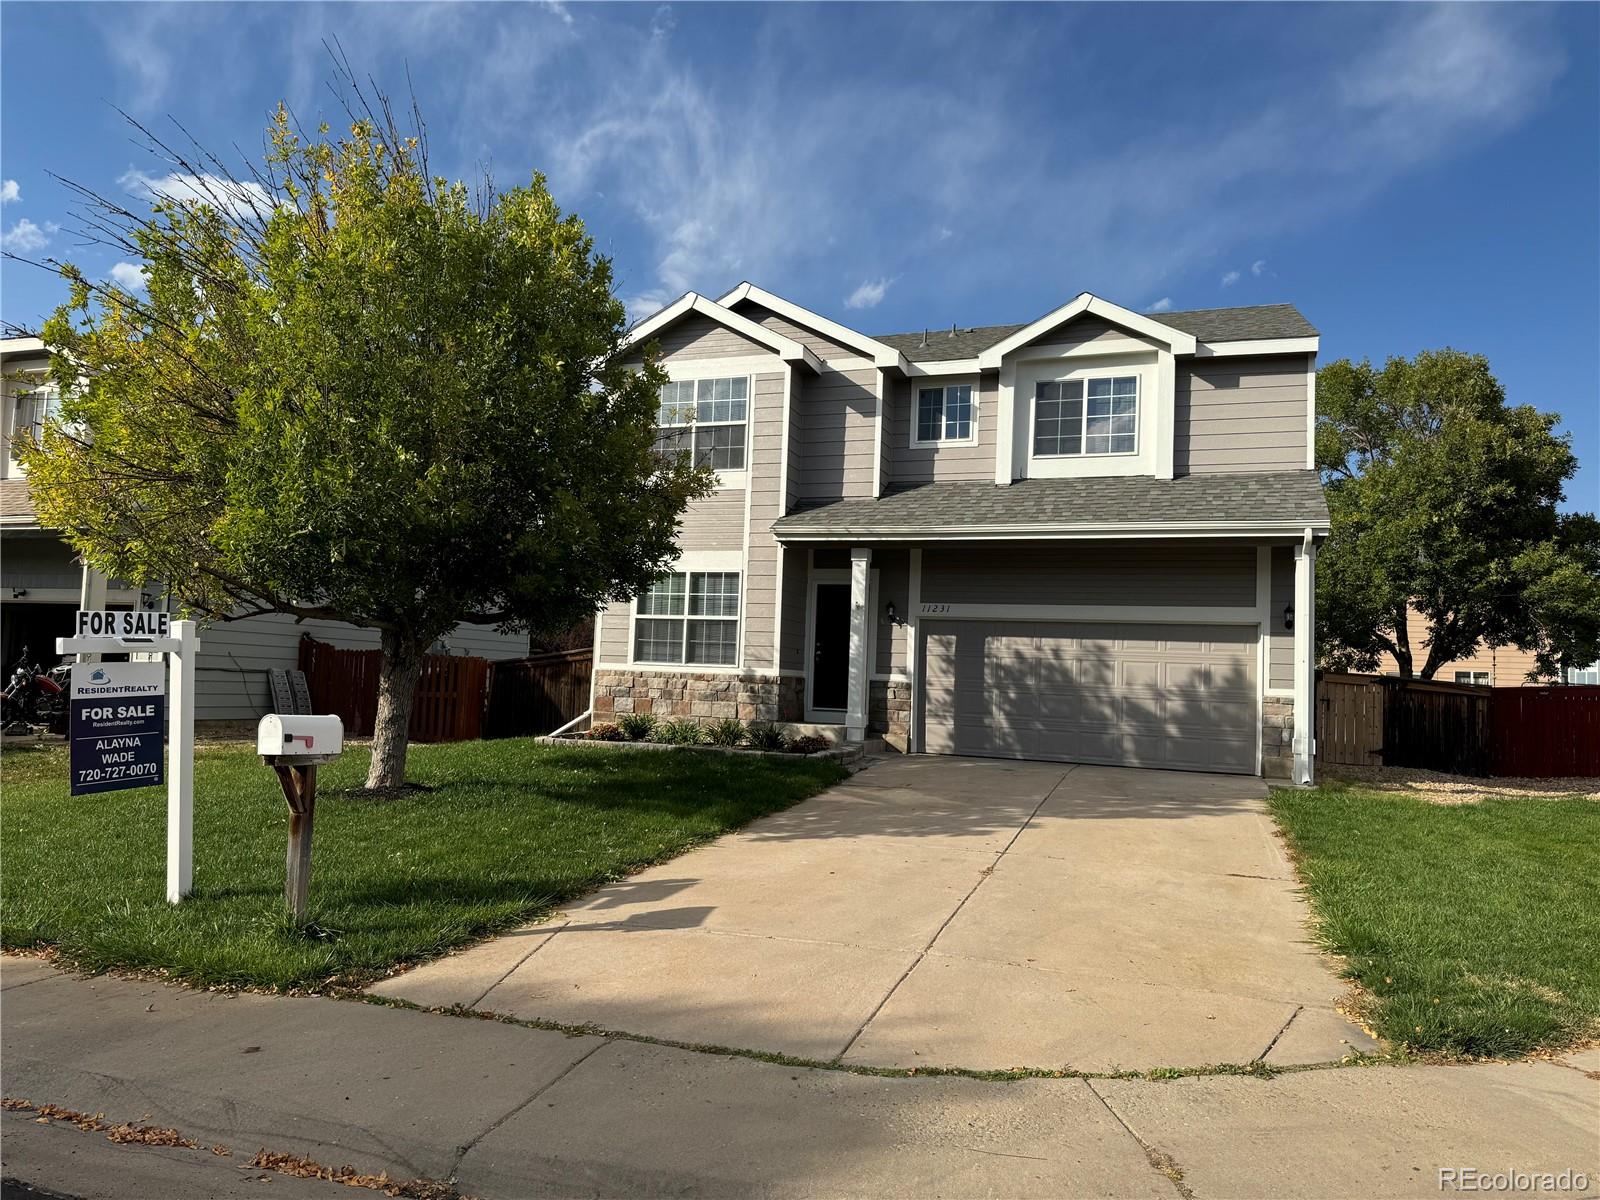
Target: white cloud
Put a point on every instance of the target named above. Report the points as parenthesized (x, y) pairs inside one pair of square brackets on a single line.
[(945, 234), (243, 199), (9, 191), (129, 277), (869, 294), (25, 237), (1162, 305), (1259, 267), (560, 10), (1230, 278)]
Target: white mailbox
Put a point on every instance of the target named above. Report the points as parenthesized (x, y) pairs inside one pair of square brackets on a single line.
[(290, 740)]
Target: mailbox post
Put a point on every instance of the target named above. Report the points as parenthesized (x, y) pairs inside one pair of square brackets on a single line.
[(294, 746)]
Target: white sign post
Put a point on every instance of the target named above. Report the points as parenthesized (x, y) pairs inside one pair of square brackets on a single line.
[(119, 632)]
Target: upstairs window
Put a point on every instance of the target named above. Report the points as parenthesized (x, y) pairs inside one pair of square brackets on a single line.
[(689, 617), (705, 418), (944, 414), (1086, 416)]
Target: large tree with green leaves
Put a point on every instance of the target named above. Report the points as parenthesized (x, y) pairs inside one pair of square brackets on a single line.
[(355, 391), (1446, 498)]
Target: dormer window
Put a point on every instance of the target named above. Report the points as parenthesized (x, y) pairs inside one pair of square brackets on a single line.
[(1086, 416), (944, 414), (706, 417)]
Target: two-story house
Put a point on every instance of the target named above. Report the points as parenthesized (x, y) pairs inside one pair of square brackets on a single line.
[(1089, 538)]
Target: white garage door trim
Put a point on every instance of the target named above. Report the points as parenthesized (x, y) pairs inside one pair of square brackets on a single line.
[(1128, 692)]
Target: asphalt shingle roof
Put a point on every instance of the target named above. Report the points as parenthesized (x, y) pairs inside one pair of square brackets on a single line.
[(1276, 498), (1207, 324), (16, 503)]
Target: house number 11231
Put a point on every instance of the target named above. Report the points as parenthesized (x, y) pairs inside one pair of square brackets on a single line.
[(933, 610)]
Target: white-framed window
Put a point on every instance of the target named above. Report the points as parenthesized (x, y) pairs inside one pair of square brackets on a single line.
[(689, 617), (30, 402), (1084, 416), (1480, 678), (944, 413), (707, 418)]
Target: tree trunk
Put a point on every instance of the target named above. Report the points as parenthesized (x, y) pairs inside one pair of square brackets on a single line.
[(397, 688), (1402, 647)]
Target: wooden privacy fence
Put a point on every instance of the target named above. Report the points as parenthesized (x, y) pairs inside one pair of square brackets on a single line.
[(449, 700), (1546, 731), (1372, 720), (537, 695)]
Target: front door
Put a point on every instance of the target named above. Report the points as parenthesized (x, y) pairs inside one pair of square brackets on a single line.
[(830, 648)]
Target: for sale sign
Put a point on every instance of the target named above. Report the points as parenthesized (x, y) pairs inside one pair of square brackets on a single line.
[(123, 623), (116, 730)]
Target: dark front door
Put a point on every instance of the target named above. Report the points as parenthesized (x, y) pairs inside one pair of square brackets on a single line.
[(830, 648)]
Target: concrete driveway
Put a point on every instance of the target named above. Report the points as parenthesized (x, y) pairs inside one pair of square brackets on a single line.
[(948, 912)]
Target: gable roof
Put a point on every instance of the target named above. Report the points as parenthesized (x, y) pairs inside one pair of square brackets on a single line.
[(882, 355), (1252, 323), (787, 349)]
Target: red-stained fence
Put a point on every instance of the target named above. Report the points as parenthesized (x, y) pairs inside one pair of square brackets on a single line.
[(449, 700), (1545, 732)]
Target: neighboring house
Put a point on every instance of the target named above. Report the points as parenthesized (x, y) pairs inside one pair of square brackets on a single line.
[(42, 583), (1088, 538), (1488, 666)]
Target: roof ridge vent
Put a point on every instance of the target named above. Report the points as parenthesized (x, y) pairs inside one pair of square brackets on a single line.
[(952, 329), (924, 335)]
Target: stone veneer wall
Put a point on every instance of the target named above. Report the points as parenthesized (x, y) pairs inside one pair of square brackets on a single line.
[(889, 709), (702, 697), (1277, 737)]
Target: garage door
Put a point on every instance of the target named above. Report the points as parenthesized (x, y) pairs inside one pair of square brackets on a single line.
[(1177, 696)]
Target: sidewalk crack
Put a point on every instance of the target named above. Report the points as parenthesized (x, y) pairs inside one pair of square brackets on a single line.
[(983, 875), (1298, 1009), (463, 1150), (1159, 1160)]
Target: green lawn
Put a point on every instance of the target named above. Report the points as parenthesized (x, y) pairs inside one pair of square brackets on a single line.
[(510, 828), (1475, 928)]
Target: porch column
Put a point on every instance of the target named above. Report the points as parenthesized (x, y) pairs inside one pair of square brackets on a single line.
[(1305, 659), (855, 721)]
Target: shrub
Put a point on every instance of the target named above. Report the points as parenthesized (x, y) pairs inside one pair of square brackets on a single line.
[(680, 733), (765, 737), (607, 733), (809, 744), (637, 726), (727, 732)]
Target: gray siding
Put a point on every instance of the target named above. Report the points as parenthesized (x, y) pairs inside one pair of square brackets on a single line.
[(791, 653), (1241, 414), (761, 576), (235, 656), (614, 626), (714, 523), (39, 562), (925, 464), (894, 584), (1145, 573), (837, 434), (1082, 329), (697, 336), (823, 347), (1280, 641)]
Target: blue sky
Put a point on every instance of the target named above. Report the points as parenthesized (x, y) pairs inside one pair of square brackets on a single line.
[(1409, 176)]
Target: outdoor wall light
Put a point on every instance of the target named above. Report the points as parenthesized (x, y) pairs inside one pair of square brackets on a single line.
[(1288, 616), (18, 593), (889, 613)]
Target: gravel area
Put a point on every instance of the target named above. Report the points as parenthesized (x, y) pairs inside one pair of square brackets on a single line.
[(1457, 789)]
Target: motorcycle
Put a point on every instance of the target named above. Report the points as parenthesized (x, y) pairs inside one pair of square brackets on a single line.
[(35, 698)]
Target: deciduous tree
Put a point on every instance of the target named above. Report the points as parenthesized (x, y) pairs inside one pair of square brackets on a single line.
[(1446, 498), (355, 391)]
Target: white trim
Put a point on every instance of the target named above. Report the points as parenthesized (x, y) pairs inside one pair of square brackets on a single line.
[(913, 646), (914, 414), (1263, 644), (1090, 348), (21, 345), (863, 623), (1152, 614), (949, 366), (783, 510), (73, 596), (1005, 460), (1175, 339), (721, 368), (880, 389), (1152, 411), (728, 478), (891, 677), (1299, 345), (1166, 410), (1172, 529), (1279, 693), (1305, 667), (1311, 412), (881, 355), (649, 668), (692, 562), (834, 575), (692, 302)]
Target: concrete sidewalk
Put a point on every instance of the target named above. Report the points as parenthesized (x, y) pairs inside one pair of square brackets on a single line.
[(505, 1111)]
